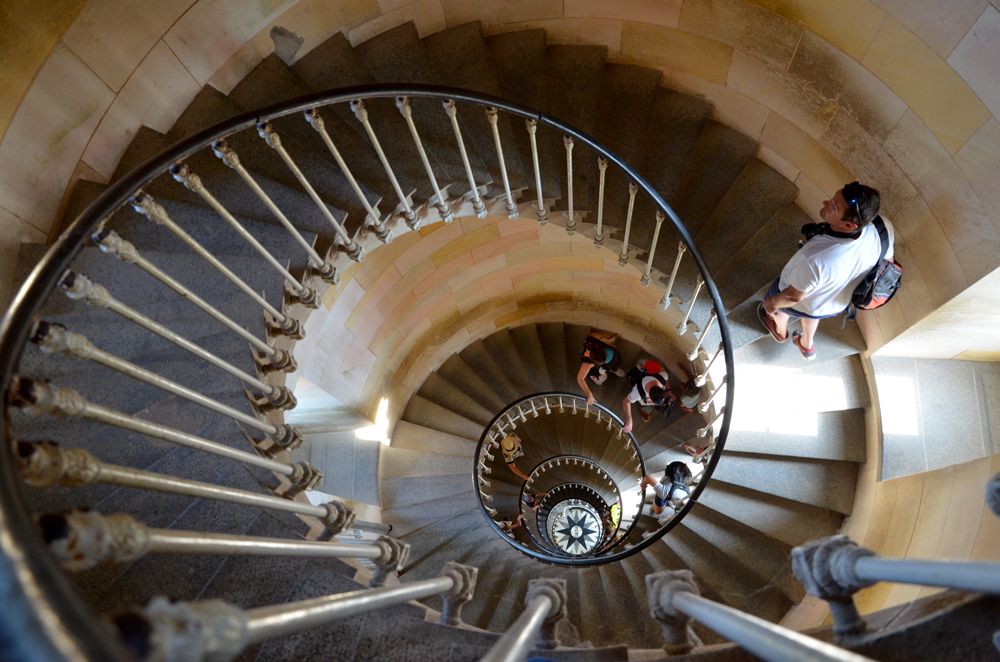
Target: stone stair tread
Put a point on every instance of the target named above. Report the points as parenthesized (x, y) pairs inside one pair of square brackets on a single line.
[(407, 518), (440, 390), (400, 462), (81, 194), (671, 132), (145, 144), (771, 560), (738, 587), (533, 356), (416, 437), (831, 342), (459, 55), (838, 435), (823, 483), (474, 381), (503, 349), (787, 521), (758, 192), (422, 411), (553, 340), (410, 490)]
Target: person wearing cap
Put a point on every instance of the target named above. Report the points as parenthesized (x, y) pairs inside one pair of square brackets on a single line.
[(511, 448), (819, 279)]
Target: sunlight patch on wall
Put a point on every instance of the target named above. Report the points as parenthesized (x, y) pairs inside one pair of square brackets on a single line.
[(379, 430)]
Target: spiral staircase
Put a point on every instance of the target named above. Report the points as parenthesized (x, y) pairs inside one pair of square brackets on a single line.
[(761, 493)]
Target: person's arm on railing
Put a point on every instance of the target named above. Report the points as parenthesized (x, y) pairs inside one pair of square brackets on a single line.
[(627, 407)]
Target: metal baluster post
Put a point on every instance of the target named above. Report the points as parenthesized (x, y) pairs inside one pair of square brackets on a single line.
[(492, 116), (835, 568), (633, 188), (192, 182), (380, 229), (682, 326), (37, 397), (602, 170), (693, 354), (570, 218), (231, 160), (545, 606), (477, 201), (273, 140), (674, 600), (702, 377), (55, 338), (269, 357), (440, 199), (44, 464), (405, 207), (79, 287), (144, 205), (703, 432), (666, 300), (216, 630), (82, 540), (461, 592), (647, 275), (542, 214), (704, 406)]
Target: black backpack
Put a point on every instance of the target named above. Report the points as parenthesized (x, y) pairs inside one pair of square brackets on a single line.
[(637, 374), (881, 283)]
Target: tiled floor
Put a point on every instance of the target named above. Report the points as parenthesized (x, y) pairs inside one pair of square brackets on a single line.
[(936, 413)]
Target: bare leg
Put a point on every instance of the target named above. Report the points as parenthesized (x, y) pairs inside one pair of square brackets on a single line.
[(780, 318), (809, 327)]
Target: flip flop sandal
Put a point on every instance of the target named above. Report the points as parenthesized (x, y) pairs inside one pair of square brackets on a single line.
[(807, 354), (768, 323)]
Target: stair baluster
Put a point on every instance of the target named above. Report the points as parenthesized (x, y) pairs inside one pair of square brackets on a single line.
[(323, 268), (374, 218), (440, 199), (541, 212), (545, 605), (492, 116), (602, 171), (109, 242), (478, 206), (633, 188), (273, 140), (704, 406), (570, 218), (702, 377), (668, 299), (682, 326), (693, 354), (405, 206), (146, 206), (647, 275)]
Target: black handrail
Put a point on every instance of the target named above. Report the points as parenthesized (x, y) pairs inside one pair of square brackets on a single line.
[(45, 615)]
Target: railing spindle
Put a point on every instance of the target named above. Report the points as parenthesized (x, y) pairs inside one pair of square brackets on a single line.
[(109, 242), (632, 190), (273, 140), (440, 199), (570, 218), (666, 300), (231, 160), (545, 605), (405, 206), (492, 116), (647, 275), (693, 354), (144, 205), (55, 338), (602, 170), (704, 406), (682, 326), (703, 432), (477, 201), (79, 287), (43, 464), (192, 182), (702, 377), (542, 214)]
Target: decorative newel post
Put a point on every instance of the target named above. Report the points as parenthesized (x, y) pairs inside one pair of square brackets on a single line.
[(555, 591), (394, 555), (339, 516), (464, 577), (825, 568), (660, 590)]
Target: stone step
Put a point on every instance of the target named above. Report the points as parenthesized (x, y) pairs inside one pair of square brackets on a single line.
[(553, 340), (533, 356), (473, 381), (409, 490), (402, 462), (422, 411), (407, 518), (503, 349), (415, 437), (837, 435), (440, 390), (823, 483), (490, 368)]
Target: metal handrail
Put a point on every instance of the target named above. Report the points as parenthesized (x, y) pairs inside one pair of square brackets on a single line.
[(52, 618)]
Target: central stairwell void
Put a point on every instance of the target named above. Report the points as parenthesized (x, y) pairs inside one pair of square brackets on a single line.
[(149, 359)]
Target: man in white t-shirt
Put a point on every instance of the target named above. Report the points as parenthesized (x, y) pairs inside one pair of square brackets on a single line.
[(818, 281)]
